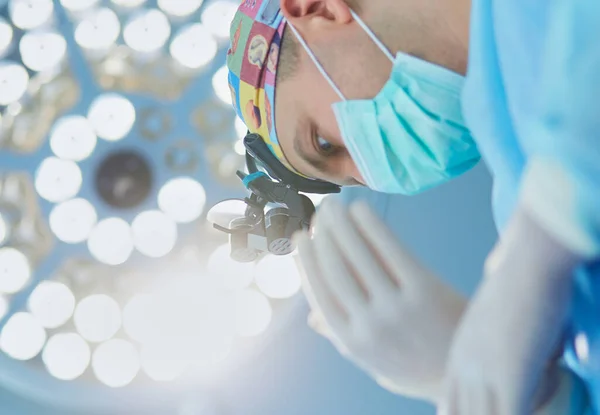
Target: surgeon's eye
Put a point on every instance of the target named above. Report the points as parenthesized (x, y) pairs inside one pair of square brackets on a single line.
[(324, 146)]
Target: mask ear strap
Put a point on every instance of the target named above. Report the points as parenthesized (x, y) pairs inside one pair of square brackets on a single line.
[(374, 38), (316, 62)]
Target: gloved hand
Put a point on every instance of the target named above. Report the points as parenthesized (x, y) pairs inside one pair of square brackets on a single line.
[(507, 338), (381, 308)]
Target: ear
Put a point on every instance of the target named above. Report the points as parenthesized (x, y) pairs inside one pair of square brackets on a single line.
[(305, 14)]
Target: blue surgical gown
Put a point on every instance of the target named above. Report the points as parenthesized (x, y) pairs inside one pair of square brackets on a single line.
[(532, 101)]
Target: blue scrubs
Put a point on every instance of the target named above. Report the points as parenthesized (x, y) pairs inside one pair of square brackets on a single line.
[(533, 94)]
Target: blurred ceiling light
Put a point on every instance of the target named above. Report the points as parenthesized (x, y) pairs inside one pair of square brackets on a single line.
[(3, 230), (129, 3), (221, 85), (179, 8), (162, 364), (3, 306), (73, 138), (231, 274), (183, 199), (66, 356), (147, 31), (42, 50), (278, 277), (14, 80), (29, 14), (217, 17), (112, 116), (154, 233), (99, 30), (111, 242), (116, 363), (136, 323), (72, 221), (22, 337), (78, 5), (6, 36), (240, 128), (15, 270), (51, 303), (193, 46), (57, 180), (253, 313), (97, 317)]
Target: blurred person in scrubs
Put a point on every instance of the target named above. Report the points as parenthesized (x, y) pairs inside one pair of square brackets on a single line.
[(403, 96)]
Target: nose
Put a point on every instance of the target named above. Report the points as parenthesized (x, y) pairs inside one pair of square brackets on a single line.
[(355, 174)]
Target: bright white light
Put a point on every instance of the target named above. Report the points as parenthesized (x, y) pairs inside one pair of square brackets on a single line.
[(116, 363), (111, 241), (15, 270), (136, 321), (277, 276), (52, 303), (239, 147), (182, 199), (3, 230), (97, 317), (179, 8), (22, 337), (14, 80), (112, 116), (193, 46), (57, 180), (253, 313), (154, 233), (317, 199), (221, 86), (72, 221), (78, 5), (218, 16), (162, 364), (99, 30), (231, 274), (66, 356), (129, 3), (240, 128), (29, 14), (73, 138), (3, 306), (42, 51), (147, 31), (6, 35)]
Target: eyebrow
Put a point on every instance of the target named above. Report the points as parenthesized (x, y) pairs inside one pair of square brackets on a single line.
[(316, 162)]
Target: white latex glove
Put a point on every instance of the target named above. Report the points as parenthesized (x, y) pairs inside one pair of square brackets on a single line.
[(505, 343), (383, 310)]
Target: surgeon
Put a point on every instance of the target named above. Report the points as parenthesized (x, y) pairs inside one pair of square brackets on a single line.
[(403, 96)]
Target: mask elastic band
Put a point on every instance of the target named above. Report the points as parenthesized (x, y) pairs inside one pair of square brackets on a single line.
[(374, 38)]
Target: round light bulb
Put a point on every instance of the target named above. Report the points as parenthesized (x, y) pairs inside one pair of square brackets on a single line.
[(154, 233), (221, 86), (193, 46), (57, 180), (116, 363), (42, 51), (112, 116), (129, 3), (111, 241), (6, 36), (78, 5), (97, 317), (147, 31), (217, 17), (14, 80), (73, 138), (22, 337), (136, 322), (15, 270), (182, 199), (278, 276), (179, 8), (52, 304), (66, 356), (99, 30), (29, 14), (72, 221)]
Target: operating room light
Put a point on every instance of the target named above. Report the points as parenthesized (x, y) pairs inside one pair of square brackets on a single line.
[(253, 313), (14, 80), (57, 180), (52, 304), (147, 31), (221, 86), (22, 337), (182, 199), (179, 8), (42, 50), (218, 15), (231, 274), (29, 14), (99, 30), (3, 230), (136, 323), (72, 221), (116, 363), (278, 277), (154, 233), (193, 46), (6, 36), (112, 116), (66, 356), (78, 5), (73, 138), (15, 270), (97, 317), (111, 241)]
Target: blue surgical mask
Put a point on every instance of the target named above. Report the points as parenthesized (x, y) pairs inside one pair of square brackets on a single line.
[(411, 136)]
